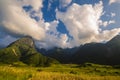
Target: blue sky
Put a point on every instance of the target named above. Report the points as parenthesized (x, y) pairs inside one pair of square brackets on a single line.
[(59, 23), (50, 15)]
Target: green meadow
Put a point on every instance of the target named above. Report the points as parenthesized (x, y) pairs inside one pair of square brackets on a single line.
[(86, 71)]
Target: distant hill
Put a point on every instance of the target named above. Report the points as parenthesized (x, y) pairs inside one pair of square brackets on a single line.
[(62, 55), (108, 53), (23, 50), (100, 53)]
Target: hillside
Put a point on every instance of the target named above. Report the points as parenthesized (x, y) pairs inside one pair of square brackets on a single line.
[(23, 50), (62, 55), (108, 53), (99, 53)]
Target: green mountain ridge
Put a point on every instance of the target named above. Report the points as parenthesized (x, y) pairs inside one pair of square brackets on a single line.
[(23, 50)]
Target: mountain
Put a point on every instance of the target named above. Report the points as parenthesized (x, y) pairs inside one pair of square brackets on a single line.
[(115, 40), (92, 52), (62, 55), (108, 53), (23, 50), (99, 53), (114, 49)]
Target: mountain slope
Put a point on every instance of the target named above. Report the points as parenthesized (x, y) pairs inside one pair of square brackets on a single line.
[(24, 50), (99, 53), (114, 49), (94, 53), (62, 55)]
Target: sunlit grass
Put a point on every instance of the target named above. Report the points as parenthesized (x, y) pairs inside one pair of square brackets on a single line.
[(58, 72)]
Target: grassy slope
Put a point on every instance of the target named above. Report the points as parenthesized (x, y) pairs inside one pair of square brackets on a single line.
[(23, 50), (60, 72)]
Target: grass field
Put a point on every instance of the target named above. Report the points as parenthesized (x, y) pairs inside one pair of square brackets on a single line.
[(60, 72)]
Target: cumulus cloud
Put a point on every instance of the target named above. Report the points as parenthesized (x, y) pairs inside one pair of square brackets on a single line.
[(106, 35), (106, 23), (111, 22), (64, 3), (53, 37), (82, 22), (114, 1), (113, 14), (36, 4), (52, 41), (16, 20)]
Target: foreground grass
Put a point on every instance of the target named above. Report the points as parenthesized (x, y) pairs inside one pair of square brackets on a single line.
[(60, 72)]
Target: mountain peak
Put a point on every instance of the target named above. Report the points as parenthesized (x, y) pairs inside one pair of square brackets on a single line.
[(114, 40), (23, 50), (24, 41), (117, 37)]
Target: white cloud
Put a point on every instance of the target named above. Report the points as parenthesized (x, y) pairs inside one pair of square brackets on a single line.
[(106, 35), (53, 41), (114, 1), (36, 4), (113, 14), (82, 22), (64, 3), (111, 1), (17, 21), (106, 23), (111, 22), (53, 37)]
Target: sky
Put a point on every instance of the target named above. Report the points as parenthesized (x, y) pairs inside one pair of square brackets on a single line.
[(59, 23)]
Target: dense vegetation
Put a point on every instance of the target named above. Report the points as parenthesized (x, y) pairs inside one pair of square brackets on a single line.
[(23, 50), (86, 71)]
